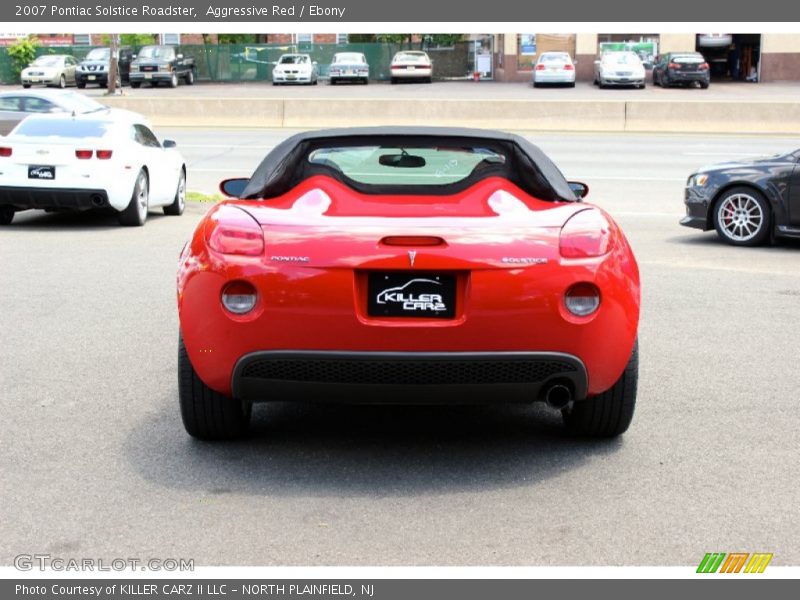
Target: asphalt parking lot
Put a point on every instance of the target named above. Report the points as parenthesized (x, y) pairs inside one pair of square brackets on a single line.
[(464, 90), (96, 462)]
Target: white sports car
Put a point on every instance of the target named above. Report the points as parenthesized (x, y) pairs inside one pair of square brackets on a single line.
[(107, 159)]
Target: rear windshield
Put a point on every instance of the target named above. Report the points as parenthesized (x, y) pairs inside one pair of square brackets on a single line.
[(98, 54), (688, 58), (69, 128), (413, 166), (411, 57), (623, 58), (554, 58), (348, 58)]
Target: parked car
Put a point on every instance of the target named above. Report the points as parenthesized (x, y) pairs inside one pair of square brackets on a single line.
[(681, 68), (16, 105), (161, 64), (295, 68), (96, 66), (106, 159), (410, 64), (619, 68), (50, 70), (554, 67), (349, 66), (489, 282), (747, 202)]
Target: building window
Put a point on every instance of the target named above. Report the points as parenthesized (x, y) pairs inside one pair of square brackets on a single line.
[(526, 50), (303, 38), (341, 38), (170, 38), (82, 39)]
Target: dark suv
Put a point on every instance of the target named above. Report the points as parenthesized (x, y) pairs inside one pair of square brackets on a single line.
[(161, 64), (681, 68), (95, 67)]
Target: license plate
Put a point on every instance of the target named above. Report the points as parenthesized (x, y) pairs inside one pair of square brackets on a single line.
[(291, 77), (148, 75), (41, 172), (412, 68), (349, 72), (92, 77), (427, 295), (34, 79)]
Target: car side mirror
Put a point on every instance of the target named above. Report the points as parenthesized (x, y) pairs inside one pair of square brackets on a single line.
[(581, 190), (169, 144), (180, 56), (233, 188), (134, 55)]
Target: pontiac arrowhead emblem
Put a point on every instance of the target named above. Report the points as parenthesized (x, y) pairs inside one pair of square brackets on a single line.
[(412, 254)]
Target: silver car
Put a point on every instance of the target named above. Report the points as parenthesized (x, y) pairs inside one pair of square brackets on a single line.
[(15, 106), (348, 66), (619, 68), (51, 70), (554, 67)]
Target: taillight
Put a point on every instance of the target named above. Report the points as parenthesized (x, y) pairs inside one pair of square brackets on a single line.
[(584, 235), (104, 154), (673, 65), (231, 230), (540, 67), (704, 67), (569, 67), (84, 154), (5, 151), (239, 297), (582, 299)]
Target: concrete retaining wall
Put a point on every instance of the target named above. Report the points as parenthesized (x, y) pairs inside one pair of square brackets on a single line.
[(553, 115)]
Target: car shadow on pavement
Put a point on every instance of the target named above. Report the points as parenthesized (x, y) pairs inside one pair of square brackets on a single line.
[(39, 220), (711, 240), (364, 450)]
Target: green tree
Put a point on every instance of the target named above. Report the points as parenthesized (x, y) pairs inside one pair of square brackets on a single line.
[(236, 38), (22, 53), (395, 38), (361, 38)]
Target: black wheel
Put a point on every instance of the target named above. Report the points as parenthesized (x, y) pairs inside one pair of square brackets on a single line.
[(189, 79), (366, 80), (136, 84), (6, 215), (571, 84), (135, 214), (81, 84), (26, 85), (333, 81), (207, 414), (179, 202), (393, 80), (665, 82), (704, 85), (742, 217), (608, 414), (536, 85), (173, 81)]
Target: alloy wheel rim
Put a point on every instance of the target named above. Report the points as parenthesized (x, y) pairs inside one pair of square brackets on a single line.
[(740, 216), (142, 197), (182, 192)]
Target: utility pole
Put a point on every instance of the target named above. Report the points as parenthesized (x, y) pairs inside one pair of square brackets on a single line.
[(113, 65)]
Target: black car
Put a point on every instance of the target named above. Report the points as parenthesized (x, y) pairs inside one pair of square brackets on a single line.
[(747, 202), (161, 64), (95, 67), (681, 68)]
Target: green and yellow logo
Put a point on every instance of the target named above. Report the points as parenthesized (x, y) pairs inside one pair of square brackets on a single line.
[(735, 562)]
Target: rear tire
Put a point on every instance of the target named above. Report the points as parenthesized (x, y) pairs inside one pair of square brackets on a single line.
[(135, 214), (136, 84), (189, 79), (179, 203), (173, 81), (26, 85), (81, 84), (207, 414), (393, 80), (62, 82), (6, 215), (608, 414)]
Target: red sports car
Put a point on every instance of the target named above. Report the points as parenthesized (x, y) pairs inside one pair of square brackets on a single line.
[(407, 265)]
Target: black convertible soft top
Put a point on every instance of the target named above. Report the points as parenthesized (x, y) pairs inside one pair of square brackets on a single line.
[(526, 166)]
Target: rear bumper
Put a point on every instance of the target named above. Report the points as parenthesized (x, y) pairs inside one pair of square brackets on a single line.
[(405, 377), (557, 77), (22, 198), (415, 74), (679, 77)]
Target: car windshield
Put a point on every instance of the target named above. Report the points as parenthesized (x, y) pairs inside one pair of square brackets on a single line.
[(98, 54), (80, 103), (48, 61), (65, 128), (293, 59), (157, 52), (383, 165), (622, 58), (348, 58), (554, 58), (411, 57)]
